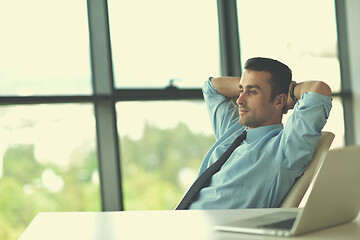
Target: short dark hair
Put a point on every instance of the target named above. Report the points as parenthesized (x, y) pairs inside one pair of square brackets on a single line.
[(281, 73)]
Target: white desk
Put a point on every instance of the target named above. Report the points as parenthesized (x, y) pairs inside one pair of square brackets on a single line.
[(157, 225)]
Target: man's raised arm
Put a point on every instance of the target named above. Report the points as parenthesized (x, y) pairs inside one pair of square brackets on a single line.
[(311, 86), (296, 90), (227, 86)]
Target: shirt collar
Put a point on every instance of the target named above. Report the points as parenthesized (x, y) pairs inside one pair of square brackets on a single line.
[(256, 133)]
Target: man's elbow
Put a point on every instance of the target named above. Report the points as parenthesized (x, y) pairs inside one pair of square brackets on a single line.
[(322, 88)]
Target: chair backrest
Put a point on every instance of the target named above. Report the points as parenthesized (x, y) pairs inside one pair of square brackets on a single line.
[(298, 190)]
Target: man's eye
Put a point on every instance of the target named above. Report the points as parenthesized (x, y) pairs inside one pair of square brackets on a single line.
[(253, 92)]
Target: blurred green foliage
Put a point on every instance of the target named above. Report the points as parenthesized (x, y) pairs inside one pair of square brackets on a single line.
[(150, 173), (151, 165)]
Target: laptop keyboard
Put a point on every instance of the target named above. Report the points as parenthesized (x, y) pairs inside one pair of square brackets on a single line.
[(286, 224)]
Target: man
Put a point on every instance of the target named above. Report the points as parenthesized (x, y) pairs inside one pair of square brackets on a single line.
[(261, 171)]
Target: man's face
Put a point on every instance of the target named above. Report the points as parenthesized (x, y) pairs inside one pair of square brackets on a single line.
[(255, 106)]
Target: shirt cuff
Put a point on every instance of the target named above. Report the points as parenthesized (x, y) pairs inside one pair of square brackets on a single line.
[(209, 88), (308, 99)]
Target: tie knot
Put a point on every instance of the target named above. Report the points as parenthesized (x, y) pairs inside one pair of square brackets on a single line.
[(240, 138), (244, 133)]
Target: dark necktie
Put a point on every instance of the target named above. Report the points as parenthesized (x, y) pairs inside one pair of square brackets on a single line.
[(205, 177)]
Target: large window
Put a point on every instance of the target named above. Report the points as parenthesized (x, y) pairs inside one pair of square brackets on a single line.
[(301, 34), (60, 149)]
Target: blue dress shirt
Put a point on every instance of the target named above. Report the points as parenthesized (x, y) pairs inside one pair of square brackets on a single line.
[(262, 170)]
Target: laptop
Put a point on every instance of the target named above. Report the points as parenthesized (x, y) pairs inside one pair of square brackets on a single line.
[(334, 199)]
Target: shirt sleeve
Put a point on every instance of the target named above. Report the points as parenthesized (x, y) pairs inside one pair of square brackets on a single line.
[(222, 111), (303, 129)]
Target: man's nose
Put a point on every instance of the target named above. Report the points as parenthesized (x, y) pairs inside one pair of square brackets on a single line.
[(241, 99)]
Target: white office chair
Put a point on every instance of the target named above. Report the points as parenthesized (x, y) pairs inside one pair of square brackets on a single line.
[(297, 192)]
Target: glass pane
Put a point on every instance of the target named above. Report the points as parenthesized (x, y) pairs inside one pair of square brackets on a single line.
[(155, 41), (335, 123), (161, 153), (48, 162), (300, 33), (44, 47)]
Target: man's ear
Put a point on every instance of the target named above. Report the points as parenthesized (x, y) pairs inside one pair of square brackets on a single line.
[(280, 101)]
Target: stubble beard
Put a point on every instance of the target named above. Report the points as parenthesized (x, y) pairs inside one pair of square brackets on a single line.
[(252, 122)]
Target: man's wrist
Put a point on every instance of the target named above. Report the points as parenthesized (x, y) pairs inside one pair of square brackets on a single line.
[(292, 94)]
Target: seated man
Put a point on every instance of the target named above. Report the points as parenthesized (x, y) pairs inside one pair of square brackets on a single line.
[(262, 169)]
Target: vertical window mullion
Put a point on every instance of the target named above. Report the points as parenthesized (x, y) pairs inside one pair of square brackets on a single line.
[(102, 77), (229, 38), (344, 58)]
